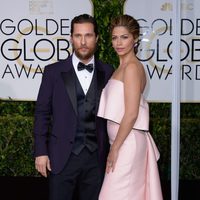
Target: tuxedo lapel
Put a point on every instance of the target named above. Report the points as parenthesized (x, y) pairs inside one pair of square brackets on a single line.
[(69, 80)]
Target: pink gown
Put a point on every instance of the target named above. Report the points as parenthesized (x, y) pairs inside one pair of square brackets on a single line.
[(136, 175)]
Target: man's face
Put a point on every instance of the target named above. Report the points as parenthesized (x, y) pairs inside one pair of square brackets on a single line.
[(84, 41)]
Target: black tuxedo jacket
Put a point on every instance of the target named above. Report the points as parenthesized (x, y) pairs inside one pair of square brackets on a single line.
[(56, 113)]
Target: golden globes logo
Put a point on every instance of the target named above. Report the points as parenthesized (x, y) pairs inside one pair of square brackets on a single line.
[(166, 7), (30, 43), (184, 6), (40, 7), (156, 48), (33, 34)]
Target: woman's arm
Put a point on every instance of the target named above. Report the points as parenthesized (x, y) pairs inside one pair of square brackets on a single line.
[(132, 79)]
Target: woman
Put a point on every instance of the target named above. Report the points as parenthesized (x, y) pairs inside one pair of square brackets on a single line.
[(131, 170)]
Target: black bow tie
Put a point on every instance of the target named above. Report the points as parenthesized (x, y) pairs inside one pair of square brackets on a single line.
[(82, 66)]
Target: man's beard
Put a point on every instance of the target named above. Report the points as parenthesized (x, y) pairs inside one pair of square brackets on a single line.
[(83, 56)]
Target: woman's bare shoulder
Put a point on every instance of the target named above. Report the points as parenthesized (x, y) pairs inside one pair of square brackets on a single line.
[(133, 68), (134, 71)]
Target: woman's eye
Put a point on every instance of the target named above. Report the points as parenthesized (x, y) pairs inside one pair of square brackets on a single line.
[(124, 37)]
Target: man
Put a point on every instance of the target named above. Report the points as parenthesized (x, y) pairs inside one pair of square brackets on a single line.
[(70, 142)]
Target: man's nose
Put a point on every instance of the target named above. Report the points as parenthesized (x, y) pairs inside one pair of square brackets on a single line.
[(83, 40)]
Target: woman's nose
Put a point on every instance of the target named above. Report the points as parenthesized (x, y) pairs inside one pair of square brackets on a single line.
[(118, 41)]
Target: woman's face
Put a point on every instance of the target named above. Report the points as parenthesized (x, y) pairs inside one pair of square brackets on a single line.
[(122, 40)]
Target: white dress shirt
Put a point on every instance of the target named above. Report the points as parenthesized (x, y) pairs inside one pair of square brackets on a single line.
[(84, 77)]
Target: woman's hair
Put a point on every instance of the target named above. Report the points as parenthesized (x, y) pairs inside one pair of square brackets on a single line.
[(131, 24)]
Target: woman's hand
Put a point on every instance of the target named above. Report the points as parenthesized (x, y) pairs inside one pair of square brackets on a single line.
[(111, 160)]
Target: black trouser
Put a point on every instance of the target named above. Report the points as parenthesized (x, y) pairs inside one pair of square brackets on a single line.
[(80, 179)]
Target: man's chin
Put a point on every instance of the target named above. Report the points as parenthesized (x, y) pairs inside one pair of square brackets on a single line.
[(84, 56)]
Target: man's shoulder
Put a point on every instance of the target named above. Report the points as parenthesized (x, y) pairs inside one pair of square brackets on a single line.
[(58, 65), (105, 65)]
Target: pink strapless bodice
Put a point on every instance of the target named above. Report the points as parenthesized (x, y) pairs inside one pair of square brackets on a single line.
[(112, 106)]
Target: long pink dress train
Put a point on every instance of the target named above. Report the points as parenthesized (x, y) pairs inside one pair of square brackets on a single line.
[(136, 175)]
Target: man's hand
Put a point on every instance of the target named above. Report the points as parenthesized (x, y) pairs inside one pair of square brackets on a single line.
[(42, 164)]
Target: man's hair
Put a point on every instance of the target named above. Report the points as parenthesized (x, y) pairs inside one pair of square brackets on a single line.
[(84, 18)]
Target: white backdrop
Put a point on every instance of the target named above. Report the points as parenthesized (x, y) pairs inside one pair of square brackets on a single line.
[(33, 33), (155, 51)]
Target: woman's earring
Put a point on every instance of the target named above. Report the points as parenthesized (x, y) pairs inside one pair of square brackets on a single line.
[(135, 44)]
